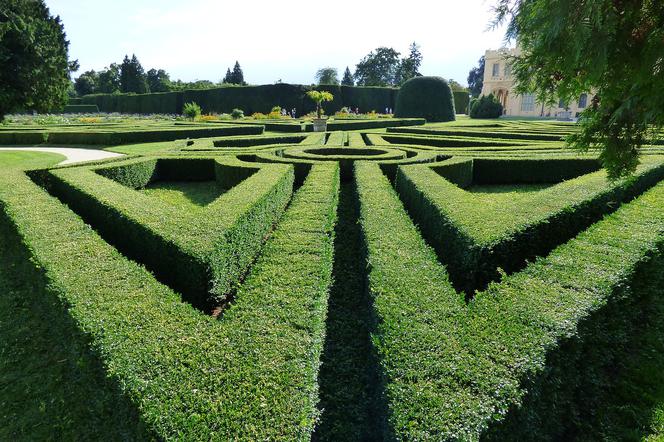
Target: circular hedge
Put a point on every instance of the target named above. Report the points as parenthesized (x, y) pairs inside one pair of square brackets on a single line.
[(425, 97)]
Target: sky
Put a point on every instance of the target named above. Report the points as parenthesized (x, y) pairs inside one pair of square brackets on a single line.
[(275, 40)]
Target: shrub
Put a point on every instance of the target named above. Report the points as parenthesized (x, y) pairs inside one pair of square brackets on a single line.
[(425, 97), (487, 106), (236, 114), (191, 110)]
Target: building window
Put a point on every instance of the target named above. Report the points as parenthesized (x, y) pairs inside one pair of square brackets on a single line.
[(562, 104), (528, 103), (583, 101), (496, 70), (508, 71)]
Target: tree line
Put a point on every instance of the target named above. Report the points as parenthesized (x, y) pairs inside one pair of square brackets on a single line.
[(130, 77), (381, 67)]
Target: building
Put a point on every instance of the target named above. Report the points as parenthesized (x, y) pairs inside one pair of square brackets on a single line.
[(499, 82)]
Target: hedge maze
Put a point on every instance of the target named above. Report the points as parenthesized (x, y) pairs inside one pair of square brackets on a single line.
[(439, 282)]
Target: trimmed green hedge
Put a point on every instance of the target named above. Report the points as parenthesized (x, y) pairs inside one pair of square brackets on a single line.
[(456, 170), (250, 99), (81, 109), (125, 136), (202, 255), (22, 138), (448, 141), (425, 97), (250, 375), (477, 234), (480, 132), (528, 358)]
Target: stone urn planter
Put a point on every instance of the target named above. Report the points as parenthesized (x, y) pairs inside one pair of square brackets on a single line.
[(320, 124)]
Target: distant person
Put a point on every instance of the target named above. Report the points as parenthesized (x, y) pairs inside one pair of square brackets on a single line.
[(293, 112), (387, 110), (357, 111)]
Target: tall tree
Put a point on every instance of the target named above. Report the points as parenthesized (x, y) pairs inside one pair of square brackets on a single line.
[(410, 66), (327, 76), (229, 76), (132, 76), (476, 78), (34, 59), (109, 79), (237, 76), (456, 86), (614, 48), (158, 80), (348, 78), (86, 83), (378, 68)]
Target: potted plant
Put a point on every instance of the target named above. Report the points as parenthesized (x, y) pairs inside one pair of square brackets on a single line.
[(320, 123)]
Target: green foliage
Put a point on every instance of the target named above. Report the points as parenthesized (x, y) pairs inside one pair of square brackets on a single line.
[(237, 114), (461, 101), (476, 234), (109, 80), (348, 78), (158, 81), (87, 83), (617, 54), (124, 323), (319, 97), (476, 78), (425, 97), (487, 106), (235, 77), (409, 67), (191, 110), (327, 75), (132, 76), (34, 64), (81, 109), (378, 68)]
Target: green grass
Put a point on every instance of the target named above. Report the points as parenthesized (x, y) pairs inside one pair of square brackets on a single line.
[(24, 160), (185, 195)]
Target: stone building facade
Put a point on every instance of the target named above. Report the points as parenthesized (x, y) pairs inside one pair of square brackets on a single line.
[(499, 82)]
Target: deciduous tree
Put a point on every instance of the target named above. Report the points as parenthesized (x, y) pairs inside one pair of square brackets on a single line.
[(378, 68), (327, 76), (476, 78)]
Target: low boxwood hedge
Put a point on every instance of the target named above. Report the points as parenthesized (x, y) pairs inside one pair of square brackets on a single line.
[(475, 235), (202, 255), (250, 375), (525, 360)]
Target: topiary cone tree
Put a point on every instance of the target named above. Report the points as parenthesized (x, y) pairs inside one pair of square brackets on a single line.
[(425, 97), (319, 97)]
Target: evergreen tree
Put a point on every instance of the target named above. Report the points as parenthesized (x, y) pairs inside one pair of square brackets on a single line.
[(237, 75), (109, 80), (34, 62), (476, 78), (410, 66), (158, 80), (348, 78), (611, 47), (229, 77), (132, 76), (86, 83)]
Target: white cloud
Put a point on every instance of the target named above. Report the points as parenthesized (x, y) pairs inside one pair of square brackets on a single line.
[(272, 40)]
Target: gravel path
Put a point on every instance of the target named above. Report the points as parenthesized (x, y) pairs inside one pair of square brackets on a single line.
[(73, 155)]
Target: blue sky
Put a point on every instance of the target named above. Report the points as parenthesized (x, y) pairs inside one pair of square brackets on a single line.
[(275, 40)]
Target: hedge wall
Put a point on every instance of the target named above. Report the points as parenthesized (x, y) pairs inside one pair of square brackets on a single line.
[(250, 99), (80, 109), (204, 261), (184, 375), (475, 235), (529, 358)]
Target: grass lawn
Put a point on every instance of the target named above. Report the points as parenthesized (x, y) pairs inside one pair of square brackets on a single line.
[(25, 160), (187, 195)]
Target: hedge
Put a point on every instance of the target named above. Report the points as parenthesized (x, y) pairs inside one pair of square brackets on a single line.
[(448, 141), (250, 375), (202, 255), (81, 109), (22, 138), (250, 99), (125, 136), (529, 358), (461, 101), (425, 97), (475, 235), (480, 132)]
